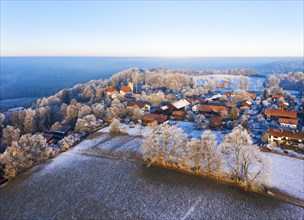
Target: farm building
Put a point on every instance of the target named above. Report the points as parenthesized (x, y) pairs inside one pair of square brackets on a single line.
[(149, 118), (289, 122), (280, 113), (213, 109), (285, 136)]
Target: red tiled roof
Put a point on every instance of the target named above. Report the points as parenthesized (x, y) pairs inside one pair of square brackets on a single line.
[(293, 121), (133, 103), (111, 89), (215, 121), (179, 113), (277, 96), (281, 113), (286, 133), (155, 117), (213, 108), (125, 89), (282, 105)]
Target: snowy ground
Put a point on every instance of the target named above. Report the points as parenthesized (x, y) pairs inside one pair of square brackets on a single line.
[(78, 186), (204, 80), (191, 131), (287, 174), (130, 131)]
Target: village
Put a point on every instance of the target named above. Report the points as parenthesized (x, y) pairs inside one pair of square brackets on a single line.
[(276, 129), (135, 102), (280, 127)]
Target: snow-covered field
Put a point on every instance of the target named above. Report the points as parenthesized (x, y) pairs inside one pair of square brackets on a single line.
[(130, 131), (191, 131), (78, 186), (204, 80), (287, 174)]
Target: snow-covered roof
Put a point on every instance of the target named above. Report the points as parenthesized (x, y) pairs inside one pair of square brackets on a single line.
[(164, 107), (181, 103), (215, 96)]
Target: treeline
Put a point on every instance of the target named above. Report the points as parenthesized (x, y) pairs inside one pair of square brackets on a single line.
[(235, 160)]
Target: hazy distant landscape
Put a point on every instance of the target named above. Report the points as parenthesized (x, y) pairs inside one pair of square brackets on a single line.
[(43, 76)]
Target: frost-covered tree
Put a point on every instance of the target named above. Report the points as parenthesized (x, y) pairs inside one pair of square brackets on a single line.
[(245, 119), (30, 150), (244, 83), (164, 145), (2, 117), (115, 127), (35, 147), (98, 110), (67, 142), (200, 121), (86, 124), (273, 81), (154, 98), (14, 160), (71, 114), (63, 109), (190, 116), (84, 111), (29, 121), (195, 153), (10, 134), (137, 114), (240, 95), (43, 118), (212, 157), (244, 160), (116, 110), (259, 85), (264, 137), (233, 113)]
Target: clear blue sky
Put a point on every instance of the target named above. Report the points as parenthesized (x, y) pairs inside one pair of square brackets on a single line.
[(122, 28)]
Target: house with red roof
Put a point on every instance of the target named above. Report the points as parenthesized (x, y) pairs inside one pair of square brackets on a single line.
[(289, 122), (125, 89), (278, 96), (149, 118), (285, 136), (215, 121), (111, 90), (280, 113), (213, 109), (178, 115)]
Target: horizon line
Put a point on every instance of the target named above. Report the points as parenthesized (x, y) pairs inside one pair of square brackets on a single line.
[(278, 56)]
